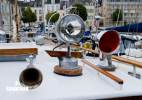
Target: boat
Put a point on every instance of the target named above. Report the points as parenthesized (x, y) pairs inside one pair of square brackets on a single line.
[(2, 36), (130, 28), (41, 74)]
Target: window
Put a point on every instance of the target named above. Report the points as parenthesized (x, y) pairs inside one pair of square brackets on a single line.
[(8, 20), (35, 5), (52, 8), (137, 14), (3, 19), (12, 9), (117, 6), (138, 6), (87, 10), (87, 4), (88, 17), (7, 8), (48, 8), (131, 14), (132, 6), (125, 6), (52, 1), (91, 10), (86, 23), (2, 7), (57, 8), (136, 21), (91, 4), (64, 7), (124, 14), (112, 6), (91, 17), (35, 12), (39, 11), (131, 21), (90, 23), (40, 18)]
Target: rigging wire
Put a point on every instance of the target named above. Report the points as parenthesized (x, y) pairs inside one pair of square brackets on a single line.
[(137, 30), (117, 19), (134, 33), (116, 26)]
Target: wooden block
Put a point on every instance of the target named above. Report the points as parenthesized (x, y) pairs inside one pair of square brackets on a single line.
[(63, 54), (24, 51), (70, 72)]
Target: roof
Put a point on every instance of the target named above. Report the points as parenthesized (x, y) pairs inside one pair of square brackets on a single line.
[(36, 3), (49, 1), (23, 4), (81, 1)]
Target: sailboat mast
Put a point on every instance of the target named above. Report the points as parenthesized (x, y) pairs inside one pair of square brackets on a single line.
[(123, 13), (16, 16), (97, 7)]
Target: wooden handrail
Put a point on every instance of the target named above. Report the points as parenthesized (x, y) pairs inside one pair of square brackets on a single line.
[(129, 61), (116, 79)]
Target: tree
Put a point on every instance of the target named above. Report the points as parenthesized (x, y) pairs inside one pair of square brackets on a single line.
[(28, 16), (99, 3), (54, 18), (115, 15), (81, 11)]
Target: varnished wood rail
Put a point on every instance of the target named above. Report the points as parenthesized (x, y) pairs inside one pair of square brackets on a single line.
[(129, 61), (116, 79)]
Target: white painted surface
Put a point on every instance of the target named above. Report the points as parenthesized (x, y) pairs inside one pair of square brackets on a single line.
[(88, 86), (17, 45), (2, 32), (133, 52)]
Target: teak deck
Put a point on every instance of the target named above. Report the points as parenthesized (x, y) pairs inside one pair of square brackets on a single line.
[(63, 54)]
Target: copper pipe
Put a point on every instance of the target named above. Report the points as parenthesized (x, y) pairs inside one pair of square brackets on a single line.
[(116, 79)]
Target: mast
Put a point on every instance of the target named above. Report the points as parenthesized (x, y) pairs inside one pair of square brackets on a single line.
[(123, 13), (0, 15), (44, 23), (16, 16)]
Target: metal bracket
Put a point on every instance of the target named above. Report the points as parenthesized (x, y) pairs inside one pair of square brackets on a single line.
[(31, 59)]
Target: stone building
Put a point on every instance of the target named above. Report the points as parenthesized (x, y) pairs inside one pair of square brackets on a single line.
[(5, 15), (12, 13), (60, 5), (89, 4), (51, 5), (7, 8), (131, 10), (36, 7)]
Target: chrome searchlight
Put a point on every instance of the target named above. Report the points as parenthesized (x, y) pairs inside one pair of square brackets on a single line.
[(69, 29)]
